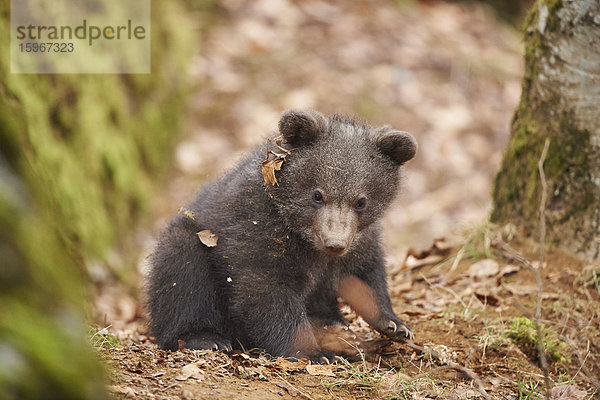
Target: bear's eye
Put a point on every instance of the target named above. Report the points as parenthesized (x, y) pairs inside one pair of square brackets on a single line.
[(317, 197), (360, 204)]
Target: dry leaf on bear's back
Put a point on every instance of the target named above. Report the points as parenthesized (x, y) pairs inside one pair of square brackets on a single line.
[(208, 238), (484, 268), (286, 365), (190, 371), (567, 392), (321, 370), (268, 171)]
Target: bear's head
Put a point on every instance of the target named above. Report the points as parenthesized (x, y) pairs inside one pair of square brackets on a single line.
[(339, 178)]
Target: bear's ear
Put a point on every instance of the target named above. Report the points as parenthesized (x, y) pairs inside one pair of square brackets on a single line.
[(300, 128), (399, 146)]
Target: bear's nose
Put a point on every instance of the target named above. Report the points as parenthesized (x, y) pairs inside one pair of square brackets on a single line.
[(335, 249)]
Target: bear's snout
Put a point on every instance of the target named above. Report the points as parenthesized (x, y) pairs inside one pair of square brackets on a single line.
[(335, 227)]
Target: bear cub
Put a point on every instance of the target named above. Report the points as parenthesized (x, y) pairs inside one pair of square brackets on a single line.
[(287, 250)]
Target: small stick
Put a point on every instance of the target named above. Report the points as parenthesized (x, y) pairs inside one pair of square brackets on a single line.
[(452, 365), (538, 273), (293, 387)]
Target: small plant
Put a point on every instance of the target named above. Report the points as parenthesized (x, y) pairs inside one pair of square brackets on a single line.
[(523, 332), (102, 339), (527, 390)]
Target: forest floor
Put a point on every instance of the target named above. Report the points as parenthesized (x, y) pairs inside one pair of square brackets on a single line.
[(471, 308), (448, 73)]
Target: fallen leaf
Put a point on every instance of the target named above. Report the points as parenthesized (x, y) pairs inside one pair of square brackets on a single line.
[(190, 371), (403, 285), (567, 392), (293, 392), (320, 370), (285, 365), (519, 289), (414, 262), (187, 395), (268, 171), (208, 238), (509, 269), (127, 391), (484, 268), (550, 296), (487, 298)]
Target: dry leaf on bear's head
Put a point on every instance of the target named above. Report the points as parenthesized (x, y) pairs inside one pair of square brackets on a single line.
[(268, 171), (208, 238)]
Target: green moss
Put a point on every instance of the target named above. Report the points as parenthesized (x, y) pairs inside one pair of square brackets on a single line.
[(78, 158), (523, 332), (90, 143), (517, 187), (102, 339)]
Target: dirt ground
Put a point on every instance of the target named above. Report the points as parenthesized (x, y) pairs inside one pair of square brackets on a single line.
[(448, 73), (463, 304)]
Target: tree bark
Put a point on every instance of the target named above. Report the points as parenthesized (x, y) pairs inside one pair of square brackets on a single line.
[(560, 101)]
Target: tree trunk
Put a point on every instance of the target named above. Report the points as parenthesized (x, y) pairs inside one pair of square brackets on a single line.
[(560, 101)]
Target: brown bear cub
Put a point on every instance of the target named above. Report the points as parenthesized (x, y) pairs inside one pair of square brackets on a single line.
[(286, 251)]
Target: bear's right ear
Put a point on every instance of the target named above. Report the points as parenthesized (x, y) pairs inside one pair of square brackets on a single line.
[(300, 128), (399, 146)]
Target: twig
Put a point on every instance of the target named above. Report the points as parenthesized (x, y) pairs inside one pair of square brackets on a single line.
[(452, 292), (293, 387), (582, 359), (538, 273), (452, 365)]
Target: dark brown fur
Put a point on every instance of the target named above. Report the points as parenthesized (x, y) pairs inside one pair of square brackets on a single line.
[(283, 251)]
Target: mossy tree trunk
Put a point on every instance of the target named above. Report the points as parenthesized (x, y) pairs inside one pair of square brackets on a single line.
[(78, 158), (560, 101)]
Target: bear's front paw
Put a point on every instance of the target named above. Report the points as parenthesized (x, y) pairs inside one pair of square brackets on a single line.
[(322, 357), (208, 342), (338, 339), (319, 357), (396, 330)]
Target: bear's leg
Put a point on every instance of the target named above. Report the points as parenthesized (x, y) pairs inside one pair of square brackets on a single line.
[(273, 317), (207, 340), (368, 296), (322, 305), (182, 300), (329, 326)]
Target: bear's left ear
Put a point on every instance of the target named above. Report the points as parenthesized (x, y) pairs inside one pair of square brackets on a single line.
[(399, 146), (301, 127)]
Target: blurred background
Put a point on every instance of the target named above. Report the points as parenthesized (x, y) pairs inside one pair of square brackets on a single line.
[(449, 73), (93, 166)]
